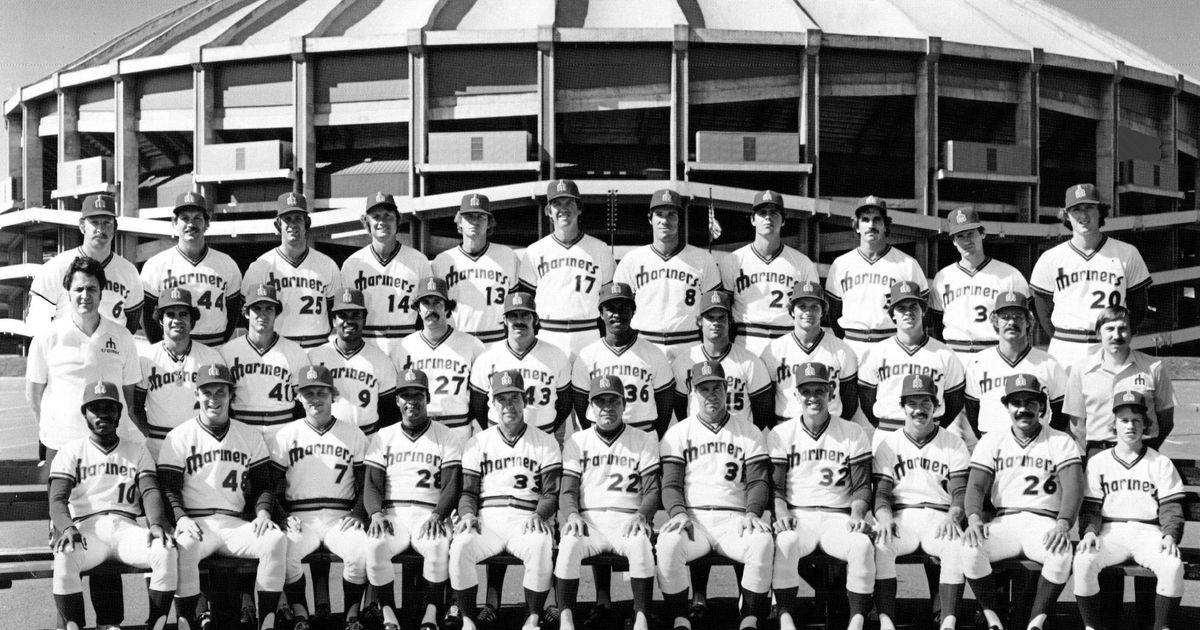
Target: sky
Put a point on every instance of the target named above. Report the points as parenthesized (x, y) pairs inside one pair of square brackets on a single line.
[(39, 36)]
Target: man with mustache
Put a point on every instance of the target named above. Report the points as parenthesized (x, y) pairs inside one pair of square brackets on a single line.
[(1075, 280), (122, 297), (1014, 353), (921, 478), (387, 273), (859, 280), (1034, 477), (212, 277), (1132, 509), (164, 397), (304, 279), (364, 376)]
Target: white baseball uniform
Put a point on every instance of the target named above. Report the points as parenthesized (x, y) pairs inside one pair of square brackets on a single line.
[(447, 362), (642, 367), (862, 286), (985, 383), (965, 299), (667, 292), (886, 364), (745, 376), (169, 382), (784, 356), (47, 298), (265, 397), (567, 278), (388, 285), (361, 377), (761, 286), (478, 284), (547, 374), (212, 279), (303, 286)]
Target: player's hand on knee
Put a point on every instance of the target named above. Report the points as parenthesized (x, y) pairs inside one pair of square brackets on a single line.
[(975, 533), (263, 523), (636, 525), (575, 526), (380, 526), (185, 525), (1058, 538), (156, 532), (70, 540), (1090, 543), (784, 523), (294, 524), (858, 525), (1169, 546), (679, 523), (468, 523), (535, 524), (750, 523), (949, 528), (885, 529), (433, 527), (351, 521)]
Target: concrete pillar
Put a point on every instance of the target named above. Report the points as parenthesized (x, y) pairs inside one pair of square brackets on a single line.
[(418, 100), (1028, 134), (68, 133), (15, 126), (925, 144), (679, 103), (204, 91), (545, 69), (304, 131), (1106, 138), (125, 144), (31, 158), (810, 110)]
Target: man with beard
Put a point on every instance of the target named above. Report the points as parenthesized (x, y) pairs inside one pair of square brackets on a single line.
[(304, 279), (212, 277), (364, 376), (387, 273), (1034, 477), (122, 297)]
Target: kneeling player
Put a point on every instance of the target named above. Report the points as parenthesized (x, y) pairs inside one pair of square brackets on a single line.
[(715, 488), (1129, 487), (208, 467), (822, 482), (509, 498), (413, 479), (921, 478), (1034, 477), (321, 460), (610, 492), (99, 486)]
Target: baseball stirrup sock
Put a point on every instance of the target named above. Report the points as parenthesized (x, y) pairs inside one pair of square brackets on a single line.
[(1091, 610), (676, 603), (950, 596), (268, 601), (985, 591), (296, 594), (535, 601), (1047, 594), (885, 597), (436, 593), (352, 595), (566, 592), (185, 608), (860, 603), (755, 604), (1163, 607), (160, 604), (70, 607), (643, 593), (466, 601)]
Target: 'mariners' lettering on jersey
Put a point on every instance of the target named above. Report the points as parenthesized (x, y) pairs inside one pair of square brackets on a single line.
[(240, 369), (454, 276), (919, 463), (692, 451), (172, 280), (545, 266), (363, 281), (643, 277), (361, 376), (953, 293), (1024, 461), (297, 452), (158, 379), (888, 370), (882, 279), (1064, 279), (795, 458), (296, 282), (608, 459), (103, 468), (513, 461), (770, 277), (198, 460), (641, 374), (435, 363), (393, 458), (1109, 486)]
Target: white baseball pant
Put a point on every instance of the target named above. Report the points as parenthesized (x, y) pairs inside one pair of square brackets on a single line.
[(112, 536), (918, 527), (719, 531), (604, 535), (500, 529), (325, 526), (231, 536), (1013, 535), (406, 524), (829, 531), (1120, 542)]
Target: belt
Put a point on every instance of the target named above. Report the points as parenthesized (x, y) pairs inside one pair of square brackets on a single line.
[(670, 338), (568, 325), (1076, 335), (856, 334), (972, 345)]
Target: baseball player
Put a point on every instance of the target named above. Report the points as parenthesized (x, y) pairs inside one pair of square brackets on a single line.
[(1132, 509), (545, 368), (567, 268), (1074, 280), (1014, 354), (668, 276), (920, 475), (78, 347), (1033, 476), (99, 486), (320, 460), (822, 486), (263, 365), (859, 280), (209, 468), (122, 296), (810, 343), (365, 377), (386, 272), (911, 351), (763, 275), (445, 354), (305, 279), (748, 385), (1115, 367), (413, 481), (509, 499), (166, 395), (644, 369), (478, 273), (610, 494), (716, 476), (212, 277)]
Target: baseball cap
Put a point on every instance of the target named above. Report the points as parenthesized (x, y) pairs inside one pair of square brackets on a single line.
[(256, 293), (802, 290), (519, 301), (1011, 299), (314, 376), (1081, 194), (1021, 383), (191, 200), (606, 384), (918, 385), (1130, 399), (291, 202), (706, 371), (176, 297), (381, 200), (871, 201), (475, 202), (615, 291), (432, 286), (349, 300), (812, 373), (767, 198), (412, 379), (559, 188), (214, 373), (905, 290), (507, 381), (666, 197), (100, 390), (716, 299), (98, 205), (961, 220)]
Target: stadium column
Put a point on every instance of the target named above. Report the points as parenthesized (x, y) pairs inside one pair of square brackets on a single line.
[(304, 131), (204, 91), (925, 143), (546, 105), (417, 138), (810, 127), (1106, 138), (68, 132), (31, 160), (1027, 130), (679, 107), (125, 145)]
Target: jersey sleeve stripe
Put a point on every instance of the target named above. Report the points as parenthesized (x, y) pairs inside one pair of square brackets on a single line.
[(671, 459), (759, 458), (171, 467), (67, 476), (865, 457), (1178, 496), (984, 467), (1141, 285)]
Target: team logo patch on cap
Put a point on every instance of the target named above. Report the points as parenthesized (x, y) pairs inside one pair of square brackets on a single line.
[(916, 382), (1080, 193), (101, 204), (312, 374), (810, 371), (262, 291), (346, 297), (1020, 381), (716, 298), (706, 369), (410, 375), (1012, 297), (904, 288), (960, 218), (474, 200), (562, 186), (100, 389), (1128, 397), (176, 295), (607, 381), (291, 200), (431, 285), (213, 371), (666, 195), (518, 300), (506, 379), (380, 198), (190, 197)]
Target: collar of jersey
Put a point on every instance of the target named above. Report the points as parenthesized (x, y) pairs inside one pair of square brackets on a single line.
[(1026, 442), (818, 434), (872, 261), (449, 331), (385, 261), (109, 451), (1128, 465), (970, 273), (566, 244), (177, 357), (1019, 359), (516, 438), (1100, 246), (193, 261), (319, 431), (911, 350), (298, 261), (615, 437), (719, 357), (413, 437), (769, 258), (924, 443), (715, 428), (816, 342), (682, 245), (475, 256), (621, 350), (262, 351), (219, 436), (521, 355), (103, 263), (346, 355)]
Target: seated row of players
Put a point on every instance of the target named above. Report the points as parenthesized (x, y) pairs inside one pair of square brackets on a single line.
[(718, 476)]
